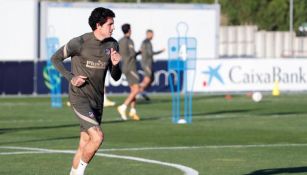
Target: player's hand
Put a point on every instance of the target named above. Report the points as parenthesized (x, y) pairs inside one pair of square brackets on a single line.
[(115, 57), (163, 50), (78, 80)]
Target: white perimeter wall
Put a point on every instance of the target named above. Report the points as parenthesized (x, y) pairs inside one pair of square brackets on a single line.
[(248, 41), (68, 20), (18, 31)]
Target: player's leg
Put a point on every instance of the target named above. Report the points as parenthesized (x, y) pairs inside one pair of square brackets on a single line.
[(130, 100), (96, 138), (147, 80), (87, 153), (91, 135), (145, 83), (133, 80), (148, 76), (132, 104), (134, 90), (143, 86), (133, 114), (84, 140)]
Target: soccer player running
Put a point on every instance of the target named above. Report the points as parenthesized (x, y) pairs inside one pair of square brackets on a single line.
[(147, 61), (92, 55), (128, 54)]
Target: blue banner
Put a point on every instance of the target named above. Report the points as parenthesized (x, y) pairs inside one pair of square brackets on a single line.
[(160, 83), (18, 78)]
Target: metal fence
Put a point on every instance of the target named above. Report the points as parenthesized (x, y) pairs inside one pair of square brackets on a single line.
[(249, 42)]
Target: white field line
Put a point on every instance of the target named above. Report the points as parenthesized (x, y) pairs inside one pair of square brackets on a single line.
[(186, 170), (20, 152), (208, 147), (168, 148)]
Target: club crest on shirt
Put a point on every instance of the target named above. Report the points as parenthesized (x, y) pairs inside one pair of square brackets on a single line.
[(107, 51), (91, 114)]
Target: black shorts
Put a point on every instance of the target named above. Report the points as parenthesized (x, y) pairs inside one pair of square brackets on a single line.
[(87, 116)]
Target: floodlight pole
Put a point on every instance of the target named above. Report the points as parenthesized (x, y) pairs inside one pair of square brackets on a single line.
[(291, 27)]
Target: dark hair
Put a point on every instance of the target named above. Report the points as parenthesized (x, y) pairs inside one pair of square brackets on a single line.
[(126, 28), (149, 31), (99, 15)]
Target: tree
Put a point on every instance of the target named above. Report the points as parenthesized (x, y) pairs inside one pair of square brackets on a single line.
[(269, 15)]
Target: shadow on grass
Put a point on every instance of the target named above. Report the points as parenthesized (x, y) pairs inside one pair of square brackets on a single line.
[(290, 170), (9, 130), (39, 140), (121, 121), (282, 113), (6, 130), (224, 112), (169, 100)]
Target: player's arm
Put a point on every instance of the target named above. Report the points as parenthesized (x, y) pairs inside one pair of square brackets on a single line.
[(158, 52), (138, 53), (115, 72), (114, 67), (57, 60), (68, 50)]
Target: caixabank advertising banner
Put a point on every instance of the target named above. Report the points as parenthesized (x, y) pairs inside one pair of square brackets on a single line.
[(233, 75)]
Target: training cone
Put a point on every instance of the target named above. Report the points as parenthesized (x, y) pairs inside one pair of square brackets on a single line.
[(276, 91)]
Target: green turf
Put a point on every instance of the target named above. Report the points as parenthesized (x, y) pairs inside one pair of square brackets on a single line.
[(271, 124)]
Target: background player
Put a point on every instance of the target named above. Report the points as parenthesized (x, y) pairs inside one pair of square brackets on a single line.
[(128, 54), (147, 62)]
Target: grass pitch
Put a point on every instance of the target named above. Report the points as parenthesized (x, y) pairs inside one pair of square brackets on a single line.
[(227, 137)]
